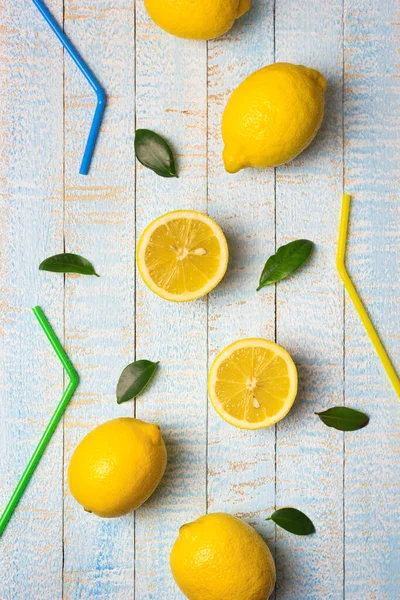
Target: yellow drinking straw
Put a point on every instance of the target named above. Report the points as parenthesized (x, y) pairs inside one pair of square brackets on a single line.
[(348, 284)]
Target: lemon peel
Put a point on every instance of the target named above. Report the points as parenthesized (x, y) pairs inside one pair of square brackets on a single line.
[(220, 557), (272, 116), (196, 19), (117, 466)]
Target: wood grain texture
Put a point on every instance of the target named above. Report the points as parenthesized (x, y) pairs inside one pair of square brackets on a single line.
[(310, 316), (349, 486), (241, 464), (372, 136), (171, 100), (99, 313), (31, 105)]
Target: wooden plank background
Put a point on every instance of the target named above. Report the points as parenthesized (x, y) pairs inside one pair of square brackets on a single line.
[(349, 485)]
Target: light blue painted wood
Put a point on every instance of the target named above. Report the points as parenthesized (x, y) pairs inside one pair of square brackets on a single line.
[(211, 466), (171, 98), (241, 464), (310, 316), (99, 313), (372, 136), (31, 106)]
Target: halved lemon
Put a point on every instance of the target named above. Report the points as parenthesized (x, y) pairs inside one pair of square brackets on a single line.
[(182, 255), (252, 384)]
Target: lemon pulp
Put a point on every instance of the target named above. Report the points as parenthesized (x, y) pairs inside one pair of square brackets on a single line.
[(253, 383), (182, 255)]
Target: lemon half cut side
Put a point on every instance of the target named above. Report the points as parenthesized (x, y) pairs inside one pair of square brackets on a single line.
[(252, 383), (182, 255)]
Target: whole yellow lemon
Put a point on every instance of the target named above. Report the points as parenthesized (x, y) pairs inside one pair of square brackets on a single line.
[(117, 466), (196, 19), (220, 557), (272, 116)]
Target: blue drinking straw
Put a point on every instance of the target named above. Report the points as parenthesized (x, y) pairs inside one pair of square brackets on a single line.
[(101, 96)]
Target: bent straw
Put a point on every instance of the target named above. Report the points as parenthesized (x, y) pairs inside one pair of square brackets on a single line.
[(341, 267), (101, 96), (55, 419)]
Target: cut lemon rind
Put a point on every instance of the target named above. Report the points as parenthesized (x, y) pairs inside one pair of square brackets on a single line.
[(211, 282), (287, 401)]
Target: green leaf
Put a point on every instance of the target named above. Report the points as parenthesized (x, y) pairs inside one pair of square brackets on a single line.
[(134, 378), (286, 261), (344, 418), (68, 263), (293, 520), (154, 153)]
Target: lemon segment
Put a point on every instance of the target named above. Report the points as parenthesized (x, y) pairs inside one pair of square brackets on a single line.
[(182, 255), (252, 384)]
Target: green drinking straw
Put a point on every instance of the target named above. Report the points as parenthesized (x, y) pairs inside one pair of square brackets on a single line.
[(51, 427)]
